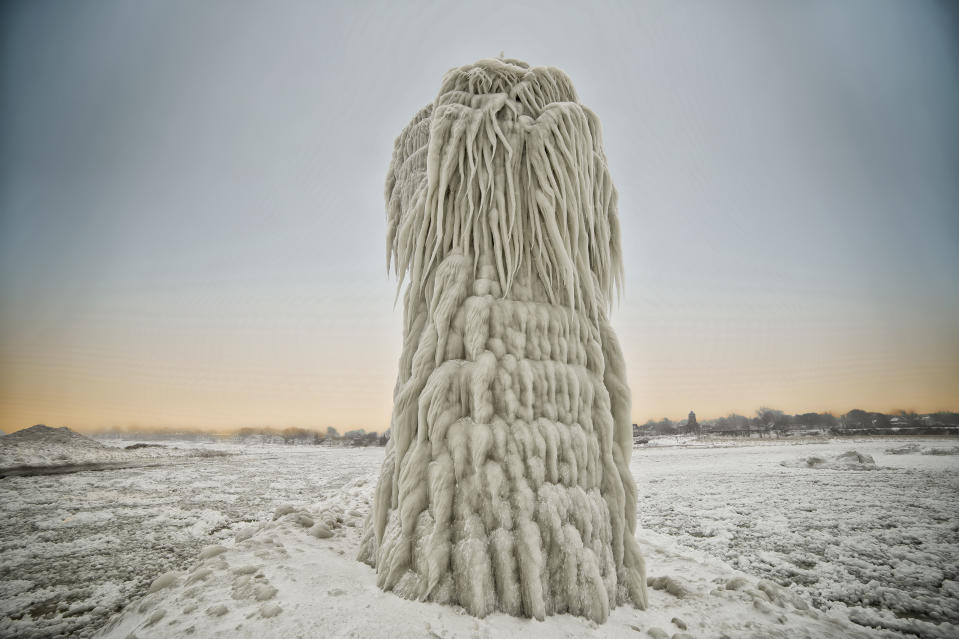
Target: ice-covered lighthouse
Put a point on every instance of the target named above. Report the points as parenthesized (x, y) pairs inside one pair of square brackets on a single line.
[(506, 483)]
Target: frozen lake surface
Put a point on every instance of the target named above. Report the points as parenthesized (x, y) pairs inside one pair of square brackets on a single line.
[(880, 547), (883, 542), (77, 547)]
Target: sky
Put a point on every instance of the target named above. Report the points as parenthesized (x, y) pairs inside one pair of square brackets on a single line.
[(192, 227)]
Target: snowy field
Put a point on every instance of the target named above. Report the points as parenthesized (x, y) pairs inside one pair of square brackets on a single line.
[(747, 543)]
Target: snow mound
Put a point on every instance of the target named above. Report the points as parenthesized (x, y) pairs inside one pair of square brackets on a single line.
[(850, 460), (41, 447), (42, 434)]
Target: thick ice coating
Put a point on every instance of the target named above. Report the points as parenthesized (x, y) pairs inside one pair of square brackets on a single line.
[(506, 482)]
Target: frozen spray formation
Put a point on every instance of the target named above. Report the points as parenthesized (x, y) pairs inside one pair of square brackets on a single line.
[(506, 483)]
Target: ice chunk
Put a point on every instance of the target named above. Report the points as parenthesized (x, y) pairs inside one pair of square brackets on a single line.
[(211, 551), (850, 460), (270, 610), (262, 592), (165, 580), (283, 509), (670, 585)]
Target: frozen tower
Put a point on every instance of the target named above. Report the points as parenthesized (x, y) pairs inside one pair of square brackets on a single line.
[(506, 482)]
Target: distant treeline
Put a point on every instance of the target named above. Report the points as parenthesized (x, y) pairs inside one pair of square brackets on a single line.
[(305, 436), (255, 435), (769, 421)]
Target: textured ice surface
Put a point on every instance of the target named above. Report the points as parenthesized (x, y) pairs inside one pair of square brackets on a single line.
[(881, 547), (741, 545), (75, 548), (506, 483), (738, 524)]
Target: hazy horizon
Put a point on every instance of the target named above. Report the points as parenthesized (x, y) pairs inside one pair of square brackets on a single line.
[(192, 228), (341, 429)]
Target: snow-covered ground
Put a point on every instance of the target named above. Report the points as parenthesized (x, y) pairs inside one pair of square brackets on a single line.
[(75, 548), (881, 547), (737, 544)]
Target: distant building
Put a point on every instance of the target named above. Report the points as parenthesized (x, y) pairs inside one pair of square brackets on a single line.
[(692, 426)]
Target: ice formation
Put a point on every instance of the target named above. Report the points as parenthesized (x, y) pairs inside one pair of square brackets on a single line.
[(506, 483), (849, 460)]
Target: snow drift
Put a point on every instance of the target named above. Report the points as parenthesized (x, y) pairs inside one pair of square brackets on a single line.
[(506, 483)]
